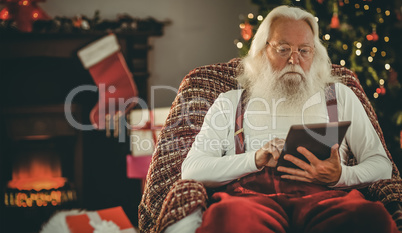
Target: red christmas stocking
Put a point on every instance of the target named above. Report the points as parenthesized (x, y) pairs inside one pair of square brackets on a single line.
[(109, 70)]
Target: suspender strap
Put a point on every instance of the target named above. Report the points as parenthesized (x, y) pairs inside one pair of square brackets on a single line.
[(330, 97), (239, 132)]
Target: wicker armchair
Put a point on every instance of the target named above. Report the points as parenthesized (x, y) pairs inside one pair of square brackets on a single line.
[(167, 198)]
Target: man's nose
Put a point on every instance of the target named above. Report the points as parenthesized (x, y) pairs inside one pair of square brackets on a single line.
[(294, 58)]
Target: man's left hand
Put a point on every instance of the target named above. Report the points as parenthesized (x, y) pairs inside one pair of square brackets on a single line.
[(318, 171)]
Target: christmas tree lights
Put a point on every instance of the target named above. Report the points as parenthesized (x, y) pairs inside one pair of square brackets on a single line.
[(23, 12)]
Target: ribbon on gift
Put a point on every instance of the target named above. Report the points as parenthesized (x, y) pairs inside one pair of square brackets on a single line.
[(145, 126), (106, 218)]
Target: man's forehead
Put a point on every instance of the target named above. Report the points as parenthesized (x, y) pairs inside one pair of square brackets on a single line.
[(284, 29), (283, 23)]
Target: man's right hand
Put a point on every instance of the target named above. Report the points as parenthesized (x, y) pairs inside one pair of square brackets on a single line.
[(268, 155)]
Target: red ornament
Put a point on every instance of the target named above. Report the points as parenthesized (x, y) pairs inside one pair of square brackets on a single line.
[(375, 36), (247, 31), (23, 12), (77, 21), (372, 36), (383, 90), (320, 1), (335, 21)]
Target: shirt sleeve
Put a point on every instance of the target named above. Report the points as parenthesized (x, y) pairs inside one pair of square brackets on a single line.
[(207, 160), (363, 141)]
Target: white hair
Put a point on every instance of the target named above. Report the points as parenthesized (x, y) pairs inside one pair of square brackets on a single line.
[(255, 62)]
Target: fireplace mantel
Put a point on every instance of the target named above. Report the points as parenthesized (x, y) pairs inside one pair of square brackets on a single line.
[(134, 46)]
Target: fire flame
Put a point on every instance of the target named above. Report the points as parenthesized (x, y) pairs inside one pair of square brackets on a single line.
[(37, 175)]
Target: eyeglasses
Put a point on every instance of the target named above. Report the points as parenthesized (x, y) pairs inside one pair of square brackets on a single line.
[(285, 51)]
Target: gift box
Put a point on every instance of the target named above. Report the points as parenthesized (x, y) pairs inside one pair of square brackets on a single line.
[(106, 220), (145, 127), (137, 166)]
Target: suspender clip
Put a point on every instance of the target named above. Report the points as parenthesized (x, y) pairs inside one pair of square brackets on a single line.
[(239, 131)]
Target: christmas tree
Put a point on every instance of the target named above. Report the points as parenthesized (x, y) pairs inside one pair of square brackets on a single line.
[(362, 35)]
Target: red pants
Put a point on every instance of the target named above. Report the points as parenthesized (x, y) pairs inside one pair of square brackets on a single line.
[(326, 211)]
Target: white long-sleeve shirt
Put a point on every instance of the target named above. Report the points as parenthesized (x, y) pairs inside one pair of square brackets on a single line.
[(212, 159)]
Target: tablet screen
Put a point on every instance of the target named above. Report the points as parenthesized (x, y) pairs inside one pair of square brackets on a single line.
[(317, 138)]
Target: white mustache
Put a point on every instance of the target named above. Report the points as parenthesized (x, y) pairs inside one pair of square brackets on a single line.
[(293, 69)]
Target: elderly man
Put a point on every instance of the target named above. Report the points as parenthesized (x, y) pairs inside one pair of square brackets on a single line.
[(284, 79)]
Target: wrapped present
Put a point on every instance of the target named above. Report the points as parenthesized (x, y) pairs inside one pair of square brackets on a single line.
[(145, 126), (137, 166), (142, 142), (107, 220), (111, 220)]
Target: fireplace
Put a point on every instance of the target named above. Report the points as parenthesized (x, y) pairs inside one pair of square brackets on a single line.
[(44, 158), (41, 139), (46, 164)]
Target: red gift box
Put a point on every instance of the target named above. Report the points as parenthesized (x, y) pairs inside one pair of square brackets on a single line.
[(81, 223), (145, 126), (137, 166)]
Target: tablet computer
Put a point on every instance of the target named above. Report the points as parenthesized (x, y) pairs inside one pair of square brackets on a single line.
[(317, 138)]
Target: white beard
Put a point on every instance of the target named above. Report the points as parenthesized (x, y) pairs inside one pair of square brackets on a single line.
[(291, 86), (279, 99)]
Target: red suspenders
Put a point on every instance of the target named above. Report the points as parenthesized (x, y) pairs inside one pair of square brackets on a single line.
[(330, 97), (239, 132)]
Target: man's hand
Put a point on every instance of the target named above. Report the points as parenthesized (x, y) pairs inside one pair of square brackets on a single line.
[(318, 171), (268, 154)]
